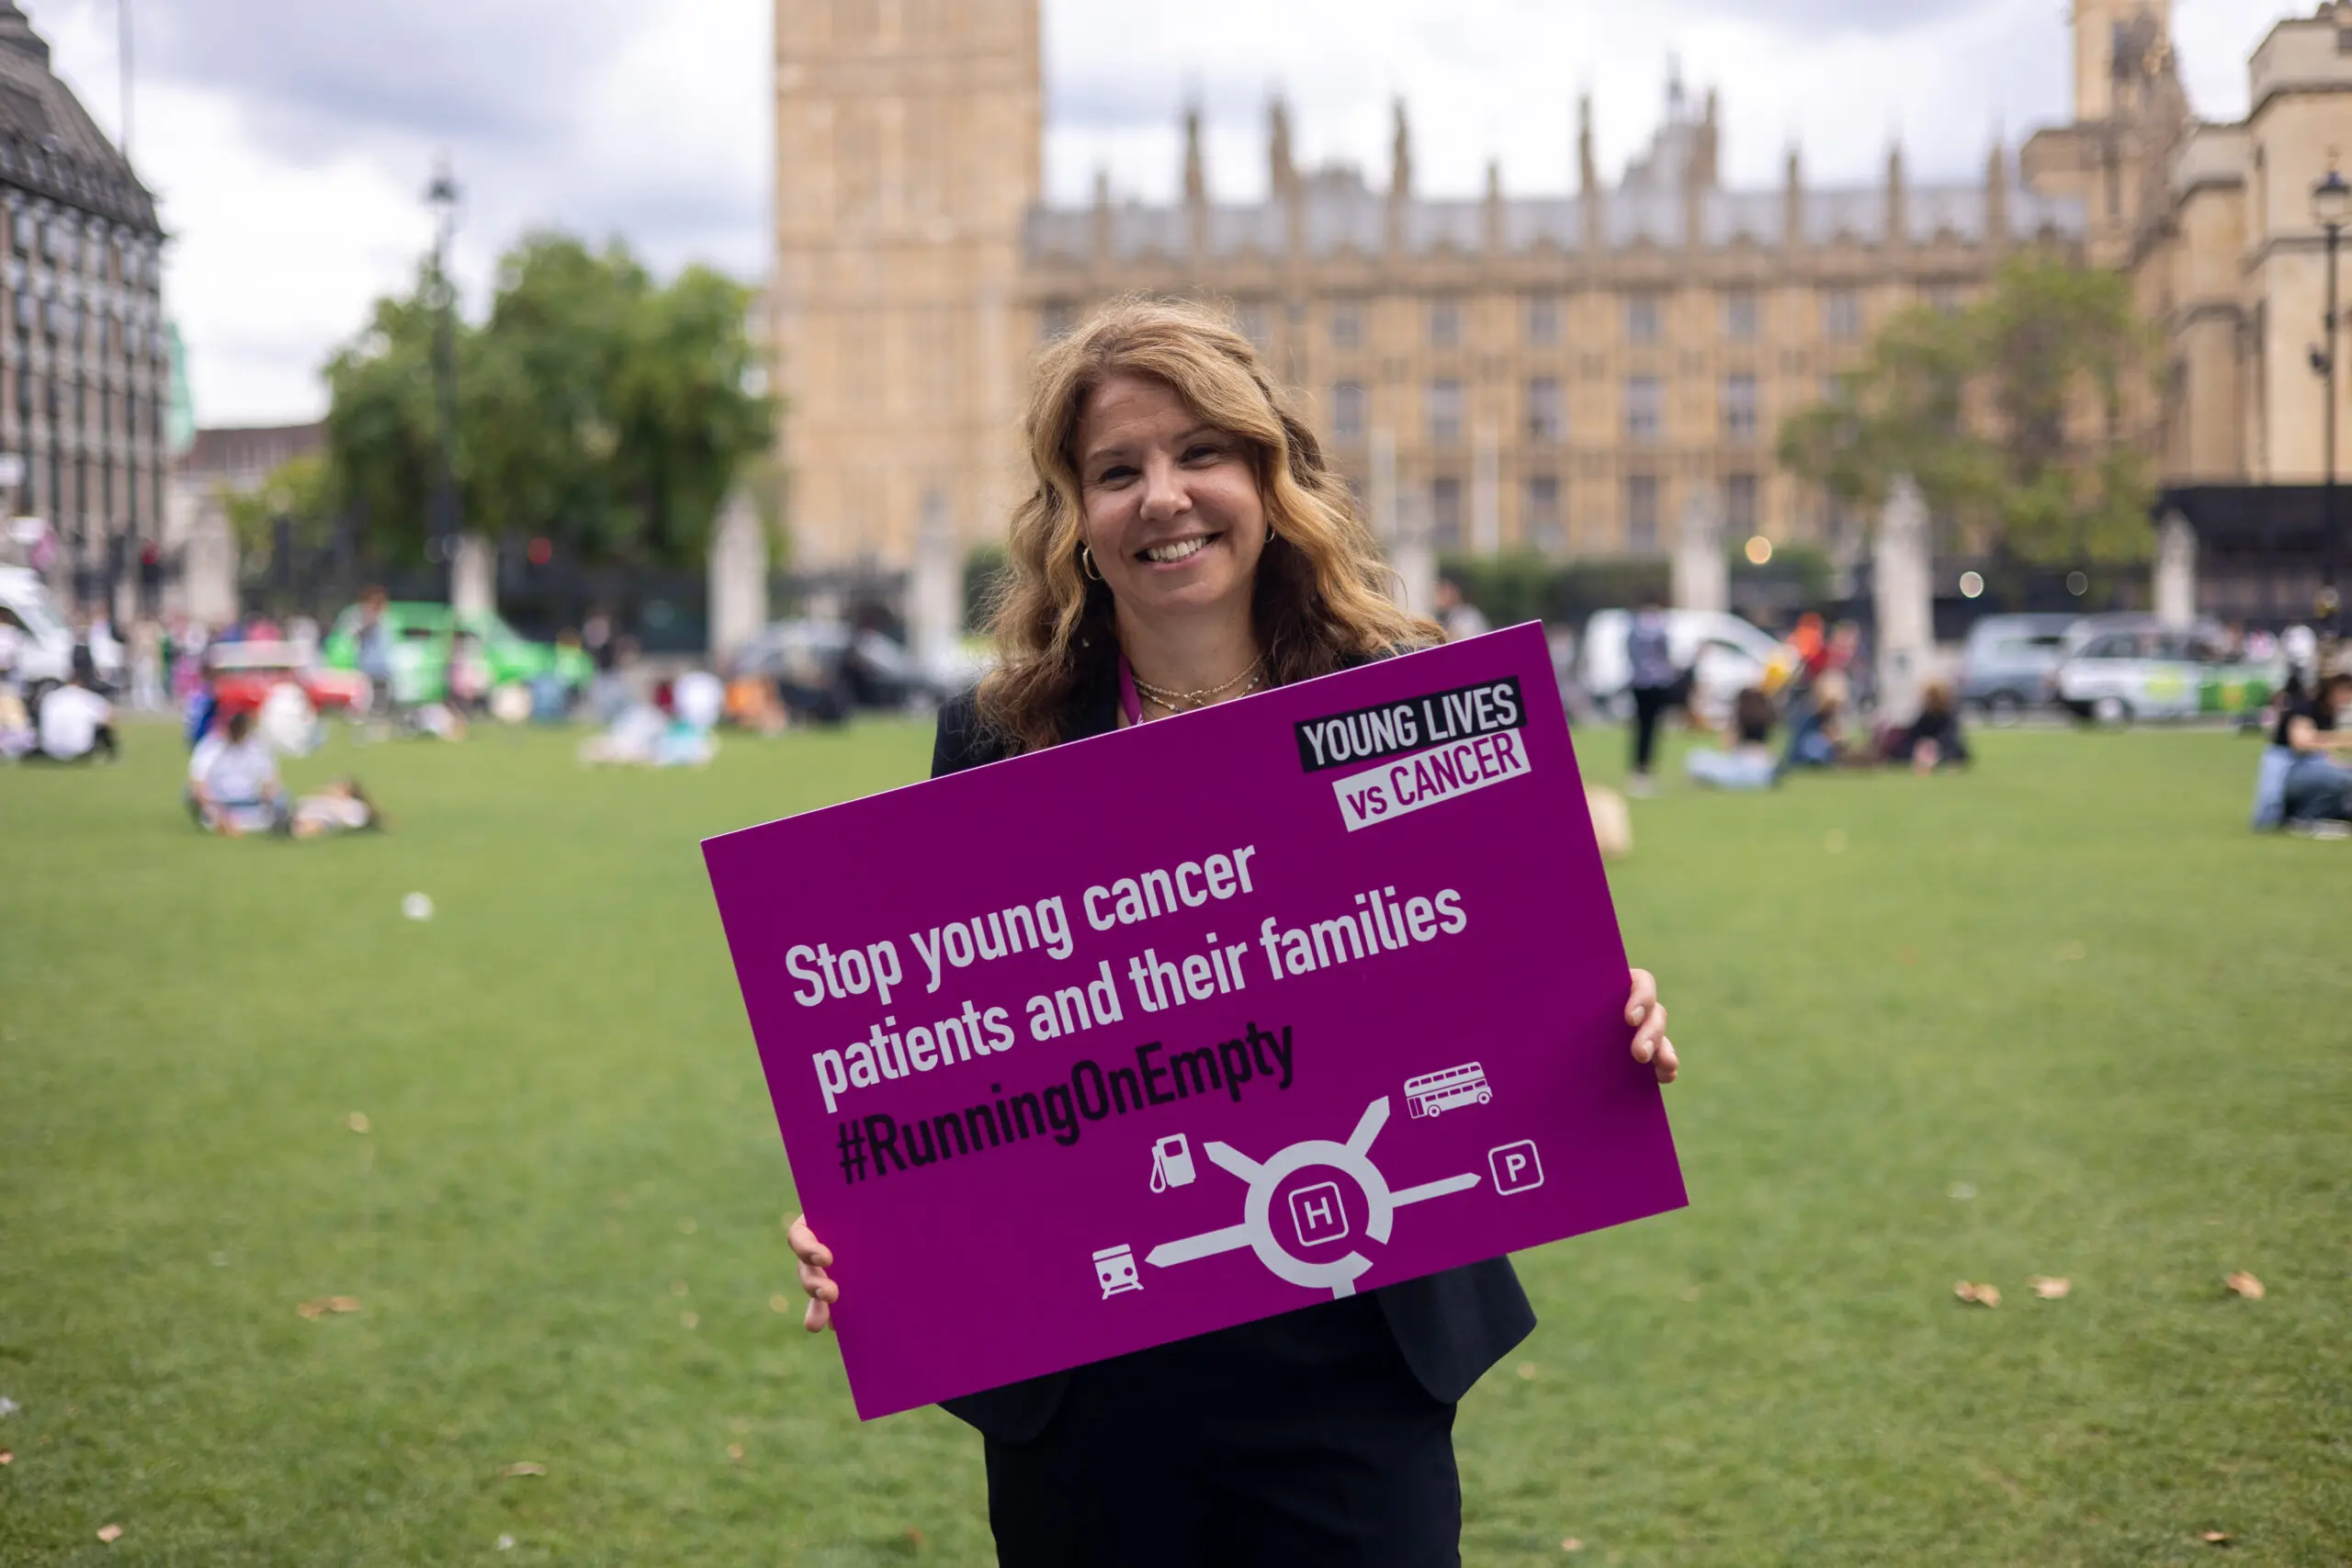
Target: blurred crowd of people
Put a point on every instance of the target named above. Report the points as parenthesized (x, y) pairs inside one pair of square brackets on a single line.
[(1815, 689)]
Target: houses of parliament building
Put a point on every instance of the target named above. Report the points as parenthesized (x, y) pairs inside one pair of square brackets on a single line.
[(1564, 372)]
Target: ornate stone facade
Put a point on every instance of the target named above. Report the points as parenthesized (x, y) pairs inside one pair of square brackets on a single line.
[(1565, 372), (85, 367), (2214, 222)]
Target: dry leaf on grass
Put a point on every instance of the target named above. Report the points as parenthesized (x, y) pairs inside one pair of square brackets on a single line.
[(2050, 1287), (1526, 1371), (356, 1121), (526, 1467), (110, 1533), (735, 1452), (8, 1406), (1572, 1544), (914, 1534), (779, 1302), (688, 1319), (505, 1544), (325, 1304), (2215, 1538), (1978, 1295), (2245, 1285), (6, 1458)]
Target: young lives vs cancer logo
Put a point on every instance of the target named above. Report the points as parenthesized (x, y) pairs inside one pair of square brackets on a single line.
[(1421, 751)]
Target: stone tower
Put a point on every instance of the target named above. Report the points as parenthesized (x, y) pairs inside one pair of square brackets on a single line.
[(2113, 39), (909, 141)]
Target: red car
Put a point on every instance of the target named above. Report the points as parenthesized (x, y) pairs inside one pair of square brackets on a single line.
[(245, 673)]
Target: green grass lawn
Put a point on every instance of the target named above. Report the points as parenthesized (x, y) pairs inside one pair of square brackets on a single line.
[(2062, 1016)]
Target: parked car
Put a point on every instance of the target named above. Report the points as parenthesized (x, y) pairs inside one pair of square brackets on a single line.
[(2009, 664), (1725, 654), (421, 634), (824, 670), (45, 653), (2122, 668), (245, 673)]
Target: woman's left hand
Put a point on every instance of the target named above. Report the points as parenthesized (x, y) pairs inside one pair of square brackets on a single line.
[(1648, 1014)]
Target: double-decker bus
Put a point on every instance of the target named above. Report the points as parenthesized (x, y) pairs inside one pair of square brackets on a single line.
[(1455, 1087)]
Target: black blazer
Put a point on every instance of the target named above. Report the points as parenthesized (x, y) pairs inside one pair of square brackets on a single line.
[(1451, 1327)]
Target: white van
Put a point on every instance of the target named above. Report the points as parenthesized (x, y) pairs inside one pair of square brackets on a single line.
[(1727, 654), (45, 656)]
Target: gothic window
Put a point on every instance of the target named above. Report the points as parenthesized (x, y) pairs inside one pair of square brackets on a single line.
[(1347, 326), (1347, 410), (1445, 512), (1739, 408), (1739, 505), (1445, 411), (1739, 315), (1641, 408), (1640, 514), (1542, 319), (1641, 318), (1841, 314), (1445, 323), (1541, 525), (1545, 422), (1252, 323)]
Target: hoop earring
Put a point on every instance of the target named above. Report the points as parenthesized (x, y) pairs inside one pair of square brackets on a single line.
[(1086, 563)]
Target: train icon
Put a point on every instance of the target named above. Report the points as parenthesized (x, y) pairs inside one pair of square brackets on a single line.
[(1434, 1093)]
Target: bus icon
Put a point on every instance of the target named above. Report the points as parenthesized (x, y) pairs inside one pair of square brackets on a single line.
[(1449, 1091)]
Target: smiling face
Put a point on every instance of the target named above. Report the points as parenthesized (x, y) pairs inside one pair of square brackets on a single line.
[(1169, 505)]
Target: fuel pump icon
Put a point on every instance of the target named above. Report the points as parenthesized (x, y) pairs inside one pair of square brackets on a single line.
[(1171, 1163)]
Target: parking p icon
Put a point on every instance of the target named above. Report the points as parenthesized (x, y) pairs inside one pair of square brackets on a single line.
[(1515, 1167)]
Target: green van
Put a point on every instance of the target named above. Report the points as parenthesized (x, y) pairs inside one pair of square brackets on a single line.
[(420, 636)]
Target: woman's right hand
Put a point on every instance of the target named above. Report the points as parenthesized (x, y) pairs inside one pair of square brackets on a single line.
[(814, 1259)]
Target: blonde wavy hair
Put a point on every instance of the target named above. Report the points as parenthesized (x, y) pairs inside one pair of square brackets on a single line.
[(1321, 599)]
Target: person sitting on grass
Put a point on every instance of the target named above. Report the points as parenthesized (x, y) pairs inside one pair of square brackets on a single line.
[(1817, 730), (2318, 788), (342, 808), (1748, 764), (1933, 739), (77, 723), (233, 786)]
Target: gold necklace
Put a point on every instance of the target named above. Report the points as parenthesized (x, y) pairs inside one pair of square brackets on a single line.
[(1184, 702)]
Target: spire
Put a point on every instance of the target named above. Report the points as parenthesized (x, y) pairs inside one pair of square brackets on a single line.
[(1792, 201), (1281, 170), (1706, 156), (1196, 178), (1997, 192), (1494, 211), (1400, 155), (1588, 173), (1897, 231), (17, 33), (1101, 236)]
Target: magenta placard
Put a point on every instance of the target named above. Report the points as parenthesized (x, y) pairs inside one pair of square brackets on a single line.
[(1193, 1023)]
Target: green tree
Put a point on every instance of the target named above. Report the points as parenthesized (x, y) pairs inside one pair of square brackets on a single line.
[(2014, 416), (301, 490), (594, 406)]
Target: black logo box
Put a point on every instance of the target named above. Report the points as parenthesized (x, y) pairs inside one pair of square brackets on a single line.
[(1409, 724)]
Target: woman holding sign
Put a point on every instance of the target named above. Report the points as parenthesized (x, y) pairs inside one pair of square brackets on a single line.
[(1187, 544)]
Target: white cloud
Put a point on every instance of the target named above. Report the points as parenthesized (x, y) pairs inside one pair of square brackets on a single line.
[(291, 153)]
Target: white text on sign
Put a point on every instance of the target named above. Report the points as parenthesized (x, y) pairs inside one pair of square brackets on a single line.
[(1407, 784)]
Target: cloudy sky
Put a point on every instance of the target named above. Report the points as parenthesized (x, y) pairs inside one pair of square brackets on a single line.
[(290, 139)]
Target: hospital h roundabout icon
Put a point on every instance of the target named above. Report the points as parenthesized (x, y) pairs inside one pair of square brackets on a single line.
[(1317, 1216)]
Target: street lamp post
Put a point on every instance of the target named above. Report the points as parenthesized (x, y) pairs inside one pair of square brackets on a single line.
[(2331, 209), (443, 521)]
